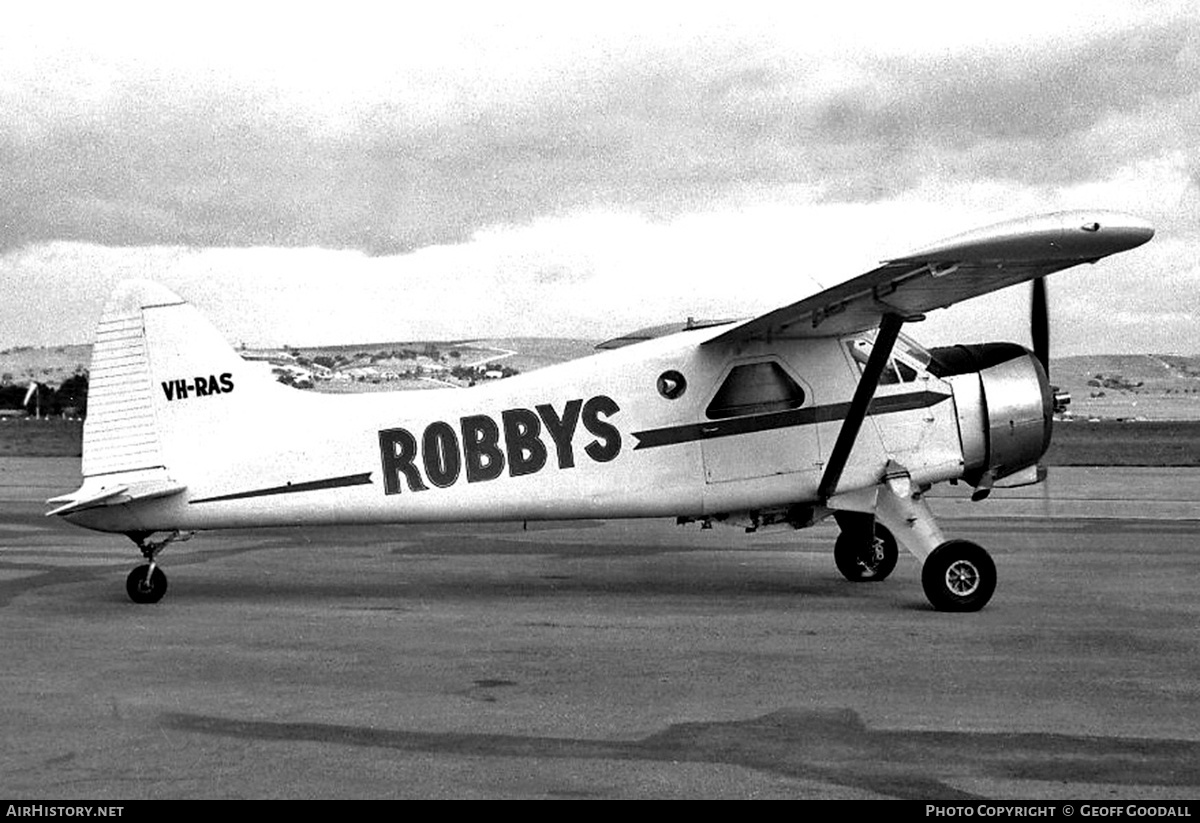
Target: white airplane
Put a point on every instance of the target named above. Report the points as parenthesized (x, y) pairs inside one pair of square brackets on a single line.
[(821, 408)]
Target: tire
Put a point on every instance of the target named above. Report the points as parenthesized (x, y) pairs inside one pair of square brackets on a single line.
[(959, 576), (861, 560), (145, 586)]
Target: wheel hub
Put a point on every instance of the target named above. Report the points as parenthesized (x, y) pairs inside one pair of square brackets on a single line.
[(878, 551), (962, 578)]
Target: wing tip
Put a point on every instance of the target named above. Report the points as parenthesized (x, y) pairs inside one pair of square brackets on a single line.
[(1065, 235)]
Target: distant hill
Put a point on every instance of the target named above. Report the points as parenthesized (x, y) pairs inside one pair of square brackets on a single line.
[(57, 363), (1130, 386), (51, 364), (538, 352)]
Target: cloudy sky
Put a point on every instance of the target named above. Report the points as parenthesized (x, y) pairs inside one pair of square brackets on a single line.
[(350, 172)]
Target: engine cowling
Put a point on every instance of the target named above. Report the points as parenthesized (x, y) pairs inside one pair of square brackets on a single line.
[(1005, 408)]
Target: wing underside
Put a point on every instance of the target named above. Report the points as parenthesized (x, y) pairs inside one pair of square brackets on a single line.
[(953, 270)]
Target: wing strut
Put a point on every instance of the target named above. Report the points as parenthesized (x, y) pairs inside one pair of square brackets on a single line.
[(881, 351)]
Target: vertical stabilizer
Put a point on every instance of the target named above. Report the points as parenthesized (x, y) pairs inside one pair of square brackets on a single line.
[(161, 395), (162, 384)]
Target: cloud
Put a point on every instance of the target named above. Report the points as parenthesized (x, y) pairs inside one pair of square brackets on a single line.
[(389, 156), (572, 175)]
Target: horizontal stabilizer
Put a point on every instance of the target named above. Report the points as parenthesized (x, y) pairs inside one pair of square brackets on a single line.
[(89, 496), (76, 502)]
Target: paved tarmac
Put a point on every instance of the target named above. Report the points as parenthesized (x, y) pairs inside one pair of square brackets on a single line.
[(606, 659)]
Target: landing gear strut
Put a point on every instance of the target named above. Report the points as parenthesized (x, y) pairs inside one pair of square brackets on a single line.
[(147, 583)]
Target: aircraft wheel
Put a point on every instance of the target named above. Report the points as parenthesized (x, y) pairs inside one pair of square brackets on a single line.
[(959, 576), (145, 586), (866, 560)]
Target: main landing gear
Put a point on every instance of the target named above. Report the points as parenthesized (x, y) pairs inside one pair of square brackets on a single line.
[(957, 575), (147, 583)]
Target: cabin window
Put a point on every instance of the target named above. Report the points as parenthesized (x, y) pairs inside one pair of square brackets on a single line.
[(896, 370), (755, 388), (907, 372)]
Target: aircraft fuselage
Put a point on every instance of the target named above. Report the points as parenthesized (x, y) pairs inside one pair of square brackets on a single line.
[(616, 443)]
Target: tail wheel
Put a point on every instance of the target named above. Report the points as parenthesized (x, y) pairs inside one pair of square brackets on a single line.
[(959, 576), (863, 556), (146, 584)]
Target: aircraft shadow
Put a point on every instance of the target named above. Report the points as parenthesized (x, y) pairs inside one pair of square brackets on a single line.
[(833, 747)]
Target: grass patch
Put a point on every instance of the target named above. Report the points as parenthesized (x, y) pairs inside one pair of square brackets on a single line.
[(1110, 443), (51, 437)]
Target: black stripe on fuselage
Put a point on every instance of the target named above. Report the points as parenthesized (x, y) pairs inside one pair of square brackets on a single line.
[(307, 486), (889, 404)]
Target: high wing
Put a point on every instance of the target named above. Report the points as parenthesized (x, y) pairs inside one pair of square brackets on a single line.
[(961, 267)]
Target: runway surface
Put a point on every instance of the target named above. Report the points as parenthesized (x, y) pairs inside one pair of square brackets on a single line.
[(607, 659)]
